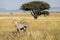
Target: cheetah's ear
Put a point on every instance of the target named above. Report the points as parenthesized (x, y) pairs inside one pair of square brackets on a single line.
[(14, 21)]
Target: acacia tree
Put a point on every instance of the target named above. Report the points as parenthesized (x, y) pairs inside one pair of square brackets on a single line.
[(36, 8)]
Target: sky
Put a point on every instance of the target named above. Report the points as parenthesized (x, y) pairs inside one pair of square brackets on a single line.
[(15, 4)]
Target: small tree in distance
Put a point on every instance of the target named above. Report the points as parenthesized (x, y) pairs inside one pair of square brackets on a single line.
[(36, 8)]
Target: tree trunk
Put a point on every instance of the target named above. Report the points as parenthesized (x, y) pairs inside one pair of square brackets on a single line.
[(34, 14)]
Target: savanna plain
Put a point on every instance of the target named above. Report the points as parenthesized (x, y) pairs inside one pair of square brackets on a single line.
[(43, 28)]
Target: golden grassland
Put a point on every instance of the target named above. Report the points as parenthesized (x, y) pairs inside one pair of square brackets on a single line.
[(43, 28)]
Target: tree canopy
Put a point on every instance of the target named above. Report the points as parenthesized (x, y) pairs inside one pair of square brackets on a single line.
[(37, 8)]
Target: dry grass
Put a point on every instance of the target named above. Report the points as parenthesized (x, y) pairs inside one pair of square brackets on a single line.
[(44, 28)]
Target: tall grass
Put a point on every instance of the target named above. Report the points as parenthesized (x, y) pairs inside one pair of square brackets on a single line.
[(44, 28)]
